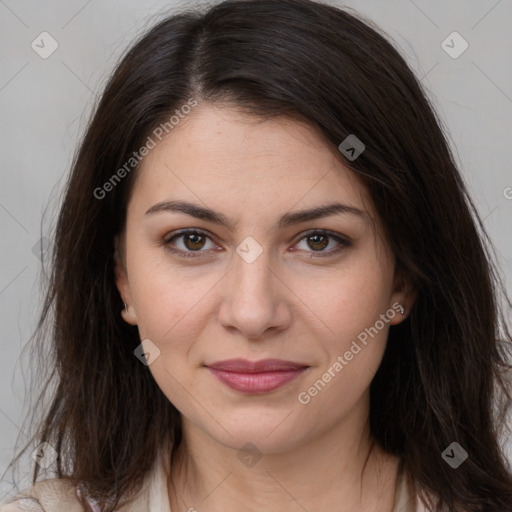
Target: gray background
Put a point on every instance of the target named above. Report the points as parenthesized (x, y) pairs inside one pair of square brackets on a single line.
[(44, 104)]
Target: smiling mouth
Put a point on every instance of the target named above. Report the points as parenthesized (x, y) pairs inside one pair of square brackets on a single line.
[(256, 376)]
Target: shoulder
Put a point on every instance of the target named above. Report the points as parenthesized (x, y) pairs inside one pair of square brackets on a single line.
[(52, 495), (61, 495), (22, 505)]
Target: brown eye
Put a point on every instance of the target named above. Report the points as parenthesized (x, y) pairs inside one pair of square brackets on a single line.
[(192, 241), (317, 241)]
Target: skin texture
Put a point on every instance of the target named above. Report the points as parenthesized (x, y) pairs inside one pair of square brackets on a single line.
[(290, 303)]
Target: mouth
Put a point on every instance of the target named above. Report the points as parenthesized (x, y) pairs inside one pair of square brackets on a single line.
[(253, 377)]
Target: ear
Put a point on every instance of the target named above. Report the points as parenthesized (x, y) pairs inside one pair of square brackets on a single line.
[(122, 283), (404, 294)]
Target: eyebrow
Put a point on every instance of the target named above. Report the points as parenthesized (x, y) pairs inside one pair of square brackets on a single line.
[(288, 219)]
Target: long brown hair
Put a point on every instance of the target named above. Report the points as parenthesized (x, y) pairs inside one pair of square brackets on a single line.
[(442, 378)]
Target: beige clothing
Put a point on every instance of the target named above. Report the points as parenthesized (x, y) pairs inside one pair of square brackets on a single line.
[(58, 495)]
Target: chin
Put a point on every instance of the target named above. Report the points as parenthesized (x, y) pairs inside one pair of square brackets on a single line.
[(270, 435)]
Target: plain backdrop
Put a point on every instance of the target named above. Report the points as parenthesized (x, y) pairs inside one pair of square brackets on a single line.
[(45, 102)]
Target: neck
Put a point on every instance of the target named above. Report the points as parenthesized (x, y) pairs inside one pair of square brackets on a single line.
[(341, 470)]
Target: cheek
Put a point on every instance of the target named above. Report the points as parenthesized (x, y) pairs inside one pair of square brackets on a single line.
[(168, 300), (172, 314), (351, 358), (349, 303), (173, 308), (349, 299)]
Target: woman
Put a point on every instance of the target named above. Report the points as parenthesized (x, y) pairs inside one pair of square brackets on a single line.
[(270, 287)]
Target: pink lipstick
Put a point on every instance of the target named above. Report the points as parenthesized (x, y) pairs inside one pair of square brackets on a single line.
[(256, 376)]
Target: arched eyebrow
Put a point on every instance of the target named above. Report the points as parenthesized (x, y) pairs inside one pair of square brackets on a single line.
[(286, 220)]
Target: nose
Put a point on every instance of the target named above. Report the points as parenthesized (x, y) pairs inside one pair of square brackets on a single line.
[(255, 298)]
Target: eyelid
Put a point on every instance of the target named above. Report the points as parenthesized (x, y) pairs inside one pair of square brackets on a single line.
[(166, 242), (343, 241), (333, 234), (186, 231)]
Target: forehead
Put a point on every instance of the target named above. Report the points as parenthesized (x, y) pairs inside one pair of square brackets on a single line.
[(223, 157)]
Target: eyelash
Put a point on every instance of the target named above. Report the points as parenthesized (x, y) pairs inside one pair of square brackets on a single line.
[(343, 243)]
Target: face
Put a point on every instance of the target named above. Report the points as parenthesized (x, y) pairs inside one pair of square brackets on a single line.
[(255, 280)]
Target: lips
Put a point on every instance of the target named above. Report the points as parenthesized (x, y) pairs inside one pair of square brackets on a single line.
[(256, 376), (265, 365)]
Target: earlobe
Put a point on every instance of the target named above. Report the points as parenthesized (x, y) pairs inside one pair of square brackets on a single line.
[(397, 312), (128, 314)]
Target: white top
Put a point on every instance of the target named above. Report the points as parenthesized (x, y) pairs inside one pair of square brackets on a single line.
[(58, 495)]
